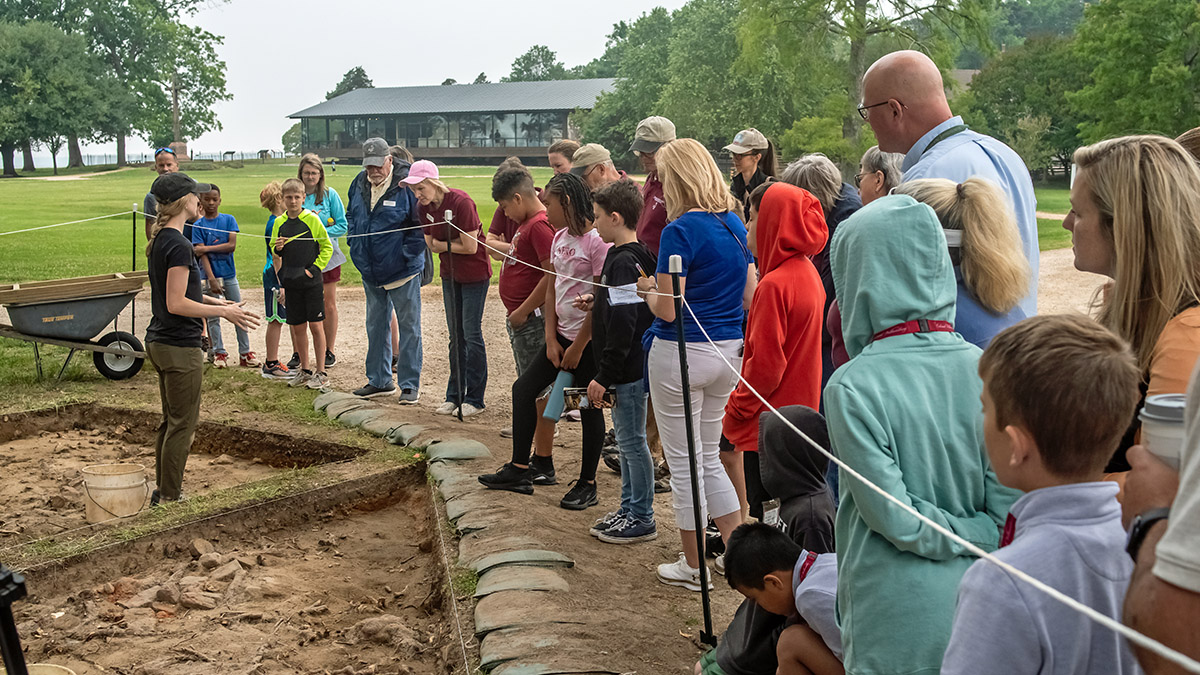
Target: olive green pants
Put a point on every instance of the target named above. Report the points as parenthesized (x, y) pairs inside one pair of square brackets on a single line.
[(180, 373)]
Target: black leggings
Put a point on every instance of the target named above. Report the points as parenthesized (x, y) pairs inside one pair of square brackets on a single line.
[(538, 375)]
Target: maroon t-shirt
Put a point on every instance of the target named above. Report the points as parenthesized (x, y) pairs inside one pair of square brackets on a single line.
[(502, 225), (654, 213), (530, 244), (467, 268)]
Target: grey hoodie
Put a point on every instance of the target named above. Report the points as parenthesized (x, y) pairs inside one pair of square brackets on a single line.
[(1069, 537)]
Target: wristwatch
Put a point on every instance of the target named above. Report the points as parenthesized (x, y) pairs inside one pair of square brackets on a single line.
[(1141, 525)]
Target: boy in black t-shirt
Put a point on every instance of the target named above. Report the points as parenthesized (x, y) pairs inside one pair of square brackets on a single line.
[(619, 319), (303, 249)]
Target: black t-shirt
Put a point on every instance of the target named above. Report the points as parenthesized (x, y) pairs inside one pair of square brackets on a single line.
[(172, 250)]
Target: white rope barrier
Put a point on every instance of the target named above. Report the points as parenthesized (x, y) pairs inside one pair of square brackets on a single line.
[(70, 222)]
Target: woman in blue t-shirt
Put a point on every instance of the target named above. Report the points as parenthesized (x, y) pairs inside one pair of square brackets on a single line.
[(325, 202), (718, 280)]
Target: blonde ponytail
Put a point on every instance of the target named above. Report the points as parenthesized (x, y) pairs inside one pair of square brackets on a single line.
[(994, 267), (163, 214)]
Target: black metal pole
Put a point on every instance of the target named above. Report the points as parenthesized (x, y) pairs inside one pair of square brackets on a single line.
[(455, 319), (675, 267), (12, 588)]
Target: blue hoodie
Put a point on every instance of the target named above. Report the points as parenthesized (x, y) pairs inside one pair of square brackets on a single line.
[(904, 412), (384, 258)]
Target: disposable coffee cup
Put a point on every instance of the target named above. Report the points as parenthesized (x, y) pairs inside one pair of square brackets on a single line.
[(1162, 427)]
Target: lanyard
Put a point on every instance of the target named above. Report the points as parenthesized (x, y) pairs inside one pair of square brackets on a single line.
[(917, 326), (943, 136), (808, 563)]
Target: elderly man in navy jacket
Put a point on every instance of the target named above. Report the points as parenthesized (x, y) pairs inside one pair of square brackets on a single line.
[(391, 259)]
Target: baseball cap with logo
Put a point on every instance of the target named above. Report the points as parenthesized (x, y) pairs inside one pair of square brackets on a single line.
[(588, 156), (421, 170), (171, 187), (375, 152), (747, 141), (651, 133)]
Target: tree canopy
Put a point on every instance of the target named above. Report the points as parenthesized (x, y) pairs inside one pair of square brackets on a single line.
[(538, 64), (355, 78)]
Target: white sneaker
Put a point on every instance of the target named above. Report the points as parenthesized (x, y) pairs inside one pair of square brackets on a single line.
[(447, 408), (506, 432), (469, 410), (679, 573), (719, 564)]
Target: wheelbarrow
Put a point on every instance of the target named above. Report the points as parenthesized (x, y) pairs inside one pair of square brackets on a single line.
[(70, 313)]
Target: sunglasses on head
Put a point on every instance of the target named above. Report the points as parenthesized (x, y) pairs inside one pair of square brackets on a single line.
[(162, 150)]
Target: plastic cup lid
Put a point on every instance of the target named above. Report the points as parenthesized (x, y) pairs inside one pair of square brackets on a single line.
[(1164, 408)]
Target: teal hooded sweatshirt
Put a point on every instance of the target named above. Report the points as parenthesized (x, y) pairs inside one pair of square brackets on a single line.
[(904, 412)]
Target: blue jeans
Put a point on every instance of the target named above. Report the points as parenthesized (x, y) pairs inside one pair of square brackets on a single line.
[(637, 469), (406, 300), (232, 292), (464, 318)]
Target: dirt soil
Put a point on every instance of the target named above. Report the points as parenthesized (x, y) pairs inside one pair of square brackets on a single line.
[(352, 591), (44, 493)]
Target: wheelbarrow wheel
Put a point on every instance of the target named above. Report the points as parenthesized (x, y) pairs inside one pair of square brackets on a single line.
[(118, 366)]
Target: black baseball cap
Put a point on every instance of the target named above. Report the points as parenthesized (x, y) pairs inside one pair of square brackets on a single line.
[(171, 187)]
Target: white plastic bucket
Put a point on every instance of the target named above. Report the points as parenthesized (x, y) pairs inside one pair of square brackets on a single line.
[(113, 490), (43, 669)]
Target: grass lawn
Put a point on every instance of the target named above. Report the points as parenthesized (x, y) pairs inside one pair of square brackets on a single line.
[(1051, 234), (1053, 197), (105, 246)]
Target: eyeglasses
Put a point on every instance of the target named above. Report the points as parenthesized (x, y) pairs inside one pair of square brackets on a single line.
[(859, 176), (162, 150), (862, 109)]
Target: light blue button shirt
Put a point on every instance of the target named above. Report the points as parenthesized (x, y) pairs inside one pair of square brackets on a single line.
[(970, 154)]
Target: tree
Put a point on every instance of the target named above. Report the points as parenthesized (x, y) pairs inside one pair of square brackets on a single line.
[(449, 81), (192, 78), (1145, 77), (45, 88), (355, 78), (291, 140), (538, 64), (607, 64), (481, 79), (1016, 21), (643, 51), (846, 29), (1029, 81)]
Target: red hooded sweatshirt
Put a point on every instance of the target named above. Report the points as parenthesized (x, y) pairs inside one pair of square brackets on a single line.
[(782, 358)]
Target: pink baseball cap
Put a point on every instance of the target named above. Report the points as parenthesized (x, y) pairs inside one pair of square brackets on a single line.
[(419, 171)]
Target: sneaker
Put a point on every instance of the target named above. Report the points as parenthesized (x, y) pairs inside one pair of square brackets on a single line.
[(294, 362), (714, 545), (447, 408), (662, 471), (300, 378), (221, 361), (612, 459), (580, 497), (606, 521), (629, 530), (330, 359), (395, 364), (510, 478), (506, 432), (571, 416), (371, 391), (719, 564), (610, 440), (319, 381), (409, 396), (156, 498), (469, 410), (662, 486), (679, 573), (249, 360), (274, 370), (542, 470)]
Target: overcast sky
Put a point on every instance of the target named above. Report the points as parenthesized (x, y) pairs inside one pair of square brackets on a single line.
[(282, 56)]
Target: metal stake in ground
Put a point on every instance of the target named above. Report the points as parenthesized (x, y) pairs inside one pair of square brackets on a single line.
[(675, 267), (12, 588), (133, 249), (455, 320)]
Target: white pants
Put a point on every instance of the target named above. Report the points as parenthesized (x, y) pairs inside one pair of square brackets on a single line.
[(711, 382)]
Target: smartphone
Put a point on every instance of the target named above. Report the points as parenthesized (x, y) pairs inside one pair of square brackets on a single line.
[(576, 398)]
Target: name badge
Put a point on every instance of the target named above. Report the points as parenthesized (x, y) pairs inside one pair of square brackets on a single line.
[(388, 202)]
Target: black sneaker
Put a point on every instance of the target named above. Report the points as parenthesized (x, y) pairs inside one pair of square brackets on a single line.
[(395, 364), (662, 486), (294, 363), (580, 497), (542, 470), (155, 497), (369, 390), (510, 478), (330, 359), (714, 545), (612, 459), (409, 396)]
